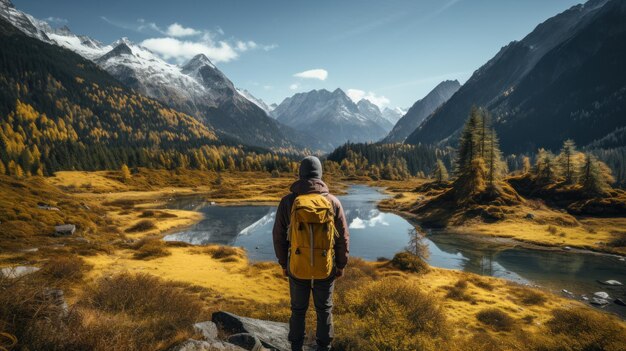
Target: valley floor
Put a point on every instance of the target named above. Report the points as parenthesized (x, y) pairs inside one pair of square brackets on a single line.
[(125, 219)]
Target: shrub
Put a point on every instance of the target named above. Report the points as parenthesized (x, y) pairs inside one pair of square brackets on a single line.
[(495, 318), (68, 268), (552, 230), (406, 261), (223, 252), (618, 241), (149, 248), (458, 292), (479, 282), (529, 297), (141, 226), (585, 329), (391, 314)]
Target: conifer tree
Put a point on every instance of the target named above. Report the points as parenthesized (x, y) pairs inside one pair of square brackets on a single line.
[(545, 168), (495, 166), (568, 161), (440, 173), (595, 176), (468, 143)]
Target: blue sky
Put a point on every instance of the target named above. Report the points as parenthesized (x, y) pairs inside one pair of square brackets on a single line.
[(392, 51)]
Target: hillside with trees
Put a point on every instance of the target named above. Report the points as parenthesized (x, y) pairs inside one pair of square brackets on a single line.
[(61, 112), (389, 161), (482, 188)]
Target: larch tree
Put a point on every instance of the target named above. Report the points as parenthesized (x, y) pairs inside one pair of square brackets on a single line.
[(125, 173), (545, 168), (440, 173), (496, 168), (595, 176), (3, 169)]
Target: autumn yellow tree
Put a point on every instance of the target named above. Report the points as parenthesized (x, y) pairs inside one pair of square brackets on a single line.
[(125, 173), (3, 169)]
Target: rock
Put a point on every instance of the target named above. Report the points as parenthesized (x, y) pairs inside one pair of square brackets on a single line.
[(599, 301), (530, 216), (273, 335), (610, 282), (601, 295), (565, 291), (64, 229), (198, 345), (622, 259), (208, 329), (57, 298), (33, 249), (620, 302), (585, 298), (246, 341), (17, 271), (567, 248)]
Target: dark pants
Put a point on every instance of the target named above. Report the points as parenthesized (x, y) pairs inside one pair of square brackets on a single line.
[(300, 291)]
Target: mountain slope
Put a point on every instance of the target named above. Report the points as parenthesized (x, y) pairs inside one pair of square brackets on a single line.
[(421, 110), (372, 112), (332, 118), (500, 75), (198, 88), (577, 90), (265, 107), (60, 111)]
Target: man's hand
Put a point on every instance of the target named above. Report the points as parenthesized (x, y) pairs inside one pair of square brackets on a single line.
[(285, 273), (339, 273)]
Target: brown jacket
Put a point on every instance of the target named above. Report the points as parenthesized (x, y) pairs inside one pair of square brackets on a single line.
[(283, 213)]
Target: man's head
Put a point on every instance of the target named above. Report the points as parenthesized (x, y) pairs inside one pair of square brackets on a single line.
[(310, 168)]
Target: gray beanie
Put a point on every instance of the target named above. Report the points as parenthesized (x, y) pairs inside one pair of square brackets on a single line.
[(310, 168)]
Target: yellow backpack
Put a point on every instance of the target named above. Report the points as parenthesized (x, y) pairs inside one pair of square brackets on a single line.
[(311, 237)]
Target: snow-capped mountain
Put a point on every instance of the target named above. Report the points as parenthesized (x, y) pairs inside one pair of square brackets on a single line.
[(372, 112), (257, 101), (198, 87), (393, 115), (331, 117)]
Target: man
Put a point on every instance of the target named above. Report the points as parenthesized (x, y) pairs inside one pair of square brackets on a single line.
[(309, 184)]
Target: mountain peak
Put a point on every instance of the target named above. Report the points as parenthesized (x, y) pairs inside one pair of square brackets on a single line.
[(64, 30), (198, 61), (120, 49), (123, 40)]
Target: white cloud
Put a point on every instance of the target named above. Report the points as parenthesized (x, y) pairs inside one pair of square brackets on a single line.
[(318, 73), (171, 48), (244, 46), (294, 86), (56, 20), (357, 95), (177, 30)]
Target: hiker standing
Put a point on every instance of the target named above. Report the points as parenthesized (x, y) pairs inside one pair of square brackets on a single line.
[(311, 241)]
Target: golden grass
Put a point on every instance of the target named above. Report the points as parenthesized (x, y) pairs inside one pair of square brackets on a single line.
[(212, 278), (547, 227), (235, 279)]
